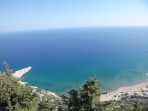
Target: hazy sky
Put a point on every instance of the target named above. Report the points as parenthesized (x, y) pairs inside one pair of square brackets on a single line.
[(44, 14)]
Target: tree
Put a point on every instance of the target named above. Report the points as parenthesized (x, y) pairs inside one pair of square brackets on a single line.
[(8, 71), (74, 100), (87, 99), (14, 96), (49, 103), (137, 106), (90, 95)]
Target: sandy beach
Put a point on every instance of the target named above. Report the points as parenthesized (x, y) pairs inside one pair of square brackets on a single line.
[(135, 90)]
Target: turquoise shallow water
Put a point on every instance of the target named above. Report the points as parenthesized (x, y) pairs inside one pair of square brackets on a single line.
[(62, 59)]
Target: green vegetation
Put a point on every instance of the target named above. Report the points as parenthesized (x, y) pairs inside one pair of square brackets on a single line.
[(17, 97), (14, 96), (137, 106), (87, 99)]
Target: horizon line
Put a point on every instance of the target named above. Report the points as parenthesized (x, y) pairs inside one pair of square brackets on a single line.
[(61, 28)]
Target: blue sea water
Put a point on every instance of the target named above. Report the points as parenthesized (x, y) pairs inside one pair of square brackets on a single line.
[(64, 58)]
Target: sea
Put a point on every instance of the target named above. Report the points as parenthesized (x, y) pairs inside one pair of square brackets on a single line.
[(63, 59)]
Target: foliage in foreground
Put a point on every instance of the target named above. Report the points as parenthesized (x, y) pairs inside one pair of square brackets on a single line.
[(87, 99), (14, 96)]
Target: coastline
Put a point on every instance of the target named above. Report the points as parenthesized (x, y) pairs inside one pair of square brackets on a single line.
[(19, 73), (140, 89)]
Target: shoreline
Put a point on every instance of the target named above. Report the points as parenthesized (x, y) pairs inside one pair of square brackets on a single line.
[(140, 89), (19, 73)]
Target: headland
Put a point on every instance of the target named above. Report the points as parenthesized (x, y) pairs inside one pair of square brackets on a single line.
[(18, 74)]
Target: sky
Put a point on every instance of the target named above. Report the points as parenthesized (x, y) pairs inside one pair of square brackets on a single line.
[(50, 14)]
